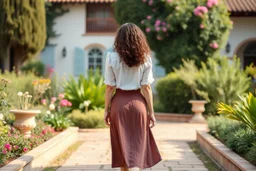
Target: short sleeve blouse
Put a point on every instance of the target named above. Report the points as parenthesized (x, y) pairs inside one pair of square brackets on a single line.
[(118, 74)]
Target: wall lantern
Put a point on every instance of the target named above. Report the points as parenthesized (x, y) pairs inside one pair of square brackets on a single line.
[(64, 52), (227, 47)]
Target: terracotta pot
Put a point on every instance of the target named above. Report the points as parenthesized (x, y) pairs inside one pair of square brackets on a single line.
[(25, 120), (198, 108)]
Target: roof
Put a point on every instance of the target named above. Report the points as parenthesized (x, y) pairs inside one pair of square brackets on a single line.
[(81, 1), (241, 5), (233, 5)]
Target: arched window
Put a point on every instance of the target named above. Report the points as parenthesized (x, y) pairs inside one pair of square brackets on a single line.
[(95, 58), (250, 54)]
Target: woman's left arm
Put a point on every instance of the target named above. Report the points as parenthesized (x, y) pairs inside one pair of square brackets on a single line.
[(108, 95)]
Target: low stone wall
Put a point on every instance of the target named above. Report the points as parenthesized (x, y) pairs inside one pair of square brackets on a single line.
[(173, 117), (221, 154), (40, 156)]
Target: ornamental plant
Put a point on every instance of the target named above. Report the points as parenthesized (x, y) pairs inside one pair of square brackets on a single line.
[(179, 28), (3, 95), (40, 87)]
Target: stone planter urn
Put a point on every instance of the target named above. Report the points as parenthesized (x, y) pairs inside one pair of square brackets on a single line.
[(25, 120), (198, 109)]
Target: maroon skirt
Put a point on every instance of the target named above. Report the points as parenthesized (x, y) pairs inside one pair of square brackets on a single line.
[(132, 141)]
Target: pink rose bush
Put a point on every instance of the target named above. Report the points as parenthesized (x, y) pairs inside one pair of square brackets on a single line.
[(200, 10)]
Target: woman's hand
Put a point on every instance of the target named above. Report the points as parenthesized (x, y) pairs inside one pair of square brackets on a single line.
[(107, 118), (152, 120)]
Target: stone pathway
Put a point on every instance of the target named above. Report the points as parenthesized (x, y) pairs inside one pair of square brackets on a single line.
[(172, 138)]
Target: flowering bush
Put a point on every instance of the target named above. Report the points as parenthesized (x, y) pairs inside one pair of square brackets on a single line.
[(40, 87), (55, 115), (13, 144), (180, 28)]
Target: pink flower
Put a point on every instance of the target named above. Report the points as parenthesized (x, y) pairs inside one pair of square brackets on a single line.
[(214, 45), (157, 29), (164, 29), (25, 149), (43, 101), (149, 17), (201, 26), (69, 103), (44, 131), (16, 147), (158, 22), (164, 23), (150, 2), (64, 102), (211, 3), (4, 151), (148, 30), (159, 38), (200, 10), (8, 147), (53, 99), (142, 22), (169, 1), (61, 96)]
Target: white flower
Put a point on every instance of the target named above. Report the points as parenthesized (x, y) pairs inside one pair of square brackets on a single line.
[(26, 93), (19, 94), (48, 112), (87, 103), (51, 106)]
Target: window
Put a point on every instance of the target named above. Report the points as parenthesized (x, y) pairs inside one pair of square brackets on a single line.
[(95, 57), (100, 18), (250, 54)]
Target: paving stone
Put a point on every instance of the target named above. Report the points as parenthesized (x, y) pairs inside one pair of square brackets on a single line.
[(171, 138)]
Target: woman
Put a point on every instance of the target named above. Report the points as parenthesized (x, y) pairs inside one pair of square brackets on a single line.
[(130, 115)]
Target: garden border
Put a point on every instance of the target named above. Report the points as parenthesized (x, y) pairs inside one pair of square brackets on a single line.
[(173, 117), (39, 157), (221, 154)]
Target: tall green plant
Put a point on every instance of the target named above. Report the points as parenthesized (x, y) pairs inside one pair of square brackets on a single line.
[(91, 88), (22, 29), (243, 110)]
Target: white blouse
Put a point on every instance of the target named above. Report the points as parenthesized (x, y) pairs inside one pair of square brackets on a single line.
[(118, 74)]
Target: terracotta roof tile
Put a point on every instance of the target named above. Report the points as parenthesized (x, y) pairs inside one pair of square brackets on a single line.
[(241, 5), (233, 5)]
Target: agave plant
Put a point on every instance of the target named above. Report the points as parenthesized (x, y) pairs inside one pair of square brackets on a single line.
[(243, 110), (84, 89)]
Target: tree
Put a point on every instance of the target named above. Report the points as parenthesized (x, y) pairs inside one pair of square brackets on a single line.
[(22, 30), (176, 29)]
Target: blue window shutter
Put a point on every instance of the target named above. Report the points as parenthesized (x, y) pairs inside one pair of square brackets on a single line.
[(159, 71), (79, 61), (47, 56)]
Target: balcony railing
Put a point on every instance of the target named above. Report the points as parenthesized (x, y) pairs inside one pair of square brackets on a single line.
[(101, 25)]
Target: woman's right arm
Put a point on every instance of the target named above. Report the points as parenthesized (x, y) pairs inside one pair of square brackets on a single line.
[(147, 92)]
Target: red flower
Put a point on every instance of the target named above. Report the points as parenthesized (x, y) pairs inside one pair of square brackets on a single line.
[(25, 149), (8, 147)]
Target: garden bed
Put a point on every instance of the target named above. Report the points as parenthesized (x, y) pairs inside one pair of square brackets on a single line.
[(221, 154), (173, 117), (40, 156)]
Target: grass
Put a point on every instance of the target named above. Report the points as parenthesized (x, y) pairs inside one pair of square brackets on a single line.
[(54, 165), (209, 164)]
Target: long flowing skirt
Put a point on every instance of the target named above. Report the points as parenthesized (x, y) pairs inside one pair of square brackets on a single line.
[(132, 141)]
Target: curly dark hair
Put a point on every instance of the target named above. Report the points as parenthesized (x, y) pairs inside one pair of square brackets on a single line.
[(131, 45)]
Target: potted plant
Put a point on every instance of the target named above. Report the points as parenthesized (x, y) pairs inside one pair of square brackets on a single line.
[(189, 73), (25, 117)]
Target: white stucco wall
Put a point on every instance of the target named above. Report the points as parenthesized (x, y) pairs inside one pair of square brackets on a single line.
[(244, 29), (71, 26)]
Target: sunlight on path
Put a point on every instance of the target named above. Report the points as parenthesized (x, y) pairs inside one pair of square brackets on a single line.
[(172, 138)]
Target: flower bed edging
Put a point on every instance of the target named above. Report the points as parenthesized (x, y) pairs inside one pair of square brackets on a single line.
[(173, 117), (40, 156), (221, 154)]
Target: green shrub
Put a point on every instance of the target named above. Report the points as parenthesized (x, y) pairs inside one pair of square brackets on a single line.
[(217, 81), (20, 83), (221, 127), (91, 88), (251, 155), (92, 119), (241, 140), (174, 94), (58, 121), (37, 67)]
